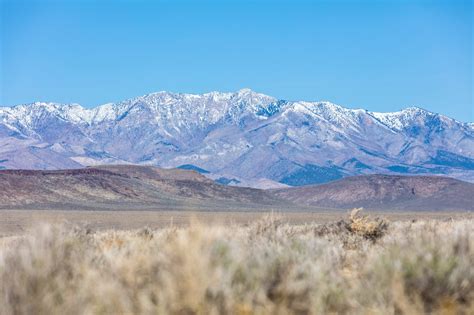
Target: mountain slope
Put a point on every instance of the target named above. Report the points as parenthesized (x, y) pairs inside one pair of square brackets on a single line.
[(386, 192), (125, 187), (131, 187), (244, 137)]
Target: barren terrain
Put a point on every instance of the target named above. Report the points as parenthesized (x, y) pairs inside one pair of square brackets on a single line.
[(131, 187), (389, 192)]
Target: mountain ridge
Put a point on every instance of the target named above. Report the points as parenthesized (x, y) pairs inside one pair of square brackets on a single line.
[(246, 136)]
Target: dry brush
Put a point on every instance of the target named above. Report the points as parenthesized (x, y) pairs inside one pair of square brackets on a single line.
[(358, 266)]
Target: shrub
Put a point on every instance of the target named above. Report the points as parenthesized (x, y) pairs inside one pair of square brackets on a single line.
[(268, 267), (365, 226)]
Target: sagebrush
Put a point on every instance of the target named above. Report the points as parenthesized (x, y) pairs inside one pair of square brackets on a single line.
[(359, 266)]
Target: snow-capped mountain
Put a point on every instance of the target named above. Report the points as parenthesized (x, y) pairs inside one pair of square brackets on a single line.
[(238, 138)]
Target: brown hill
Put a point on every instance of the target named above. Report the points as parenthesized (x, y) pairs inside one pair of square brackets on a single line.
[(386, 192), (131, 187), (124, 187)]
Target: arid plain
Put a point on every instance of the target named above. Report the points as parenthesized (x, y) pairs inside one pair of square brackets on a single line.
[(15, 222)]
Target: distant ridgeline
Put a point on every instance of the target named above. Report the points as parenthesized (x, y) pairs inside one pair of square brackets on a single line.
[(242, 138)]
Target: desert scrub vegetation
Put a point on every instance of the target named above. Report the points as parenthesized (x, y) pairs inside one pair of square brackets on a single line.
[(356, 266)]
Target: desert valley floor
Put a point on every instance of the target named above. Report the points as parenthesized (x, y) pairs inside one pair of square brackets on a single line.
[(14, 222)]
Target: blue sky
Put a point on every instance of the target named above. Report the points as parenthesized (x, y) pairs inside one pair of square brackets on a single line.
[(379, 55)]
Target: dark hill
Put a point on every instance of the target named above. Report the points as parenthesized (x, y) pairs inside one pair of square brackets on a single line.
[(144, 187), (386, 192), (124, 187)]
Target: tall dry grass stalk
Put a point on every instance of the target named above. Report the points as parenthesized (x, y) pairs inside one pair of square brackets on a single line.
[(360, 266)]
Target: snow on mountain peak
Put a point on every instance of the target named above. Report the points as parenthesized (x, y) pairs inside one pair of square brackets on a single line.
[(210, 106), (244, 134), (246, 92), (403, 118)]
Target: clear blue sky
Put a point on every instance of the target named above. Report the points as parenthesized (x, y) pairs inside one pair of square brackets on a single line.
[(379, 55)]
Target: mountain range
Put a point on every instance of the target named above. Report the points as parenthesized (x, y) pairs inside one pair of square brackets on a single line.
[(242, 138)]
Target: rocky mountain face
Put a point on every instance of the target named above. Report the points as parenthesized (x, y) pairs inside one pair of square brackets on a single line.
[(243, 138)]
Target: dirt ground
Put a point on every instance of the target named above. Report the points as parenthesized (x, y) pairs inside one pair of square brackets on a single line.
[(14, 222)]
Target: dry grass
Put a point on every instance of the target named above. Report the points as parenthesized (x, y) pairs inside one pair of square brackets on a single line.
[(359, 266), (366, 226)]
